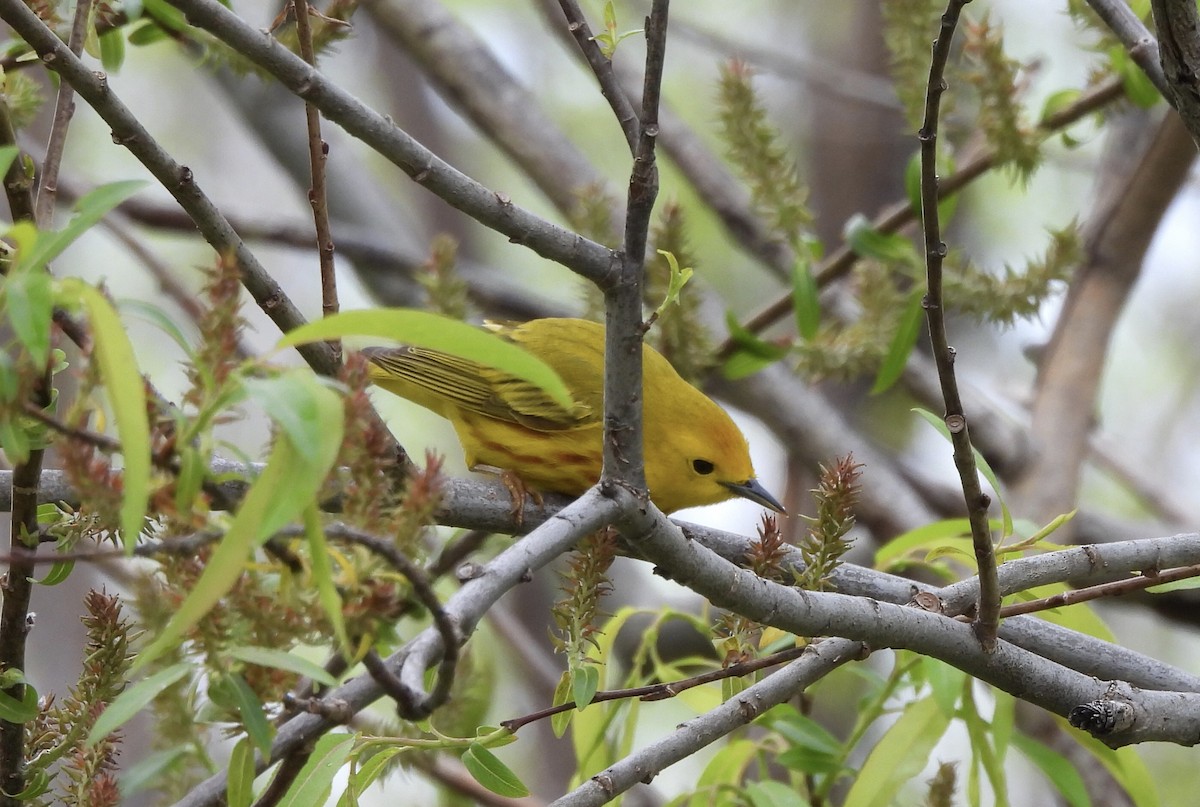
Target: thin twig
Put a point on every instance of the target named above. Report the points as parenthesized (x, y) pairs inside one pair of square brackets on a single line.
[(64, 109), (413, 705), (988, 619), (658, 692), (318, 153), (602, 67), (623, 450), (1116, 588), (177, 179)]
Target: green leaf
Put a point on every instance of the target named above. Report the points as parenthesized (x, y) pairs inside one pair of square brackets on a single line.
[(728, 765), (166, 15), (29, 304), (190, 479), (90, 208), (19, 711), (59, 571), (903, 342), (303, 408), (806, 302), (562, 694), (751, 352), (679, 278), (945, 682), (1058, 101), (810, 760), (239, 783), (322, 572), (493, 774), (254, 719), (900, 754), (862, 237), (802, 731), (7, 155), (912, 185), (367, 773), (127, 396), (423, 329), (146, 772), (1057, 768), (1125, 765), (286, 486), (147, 32), (768, 793), (157, 317), (282, 660), (585, 680), (112, 49), (315, 780), (129, 703), (1138, 86), (921, 538)]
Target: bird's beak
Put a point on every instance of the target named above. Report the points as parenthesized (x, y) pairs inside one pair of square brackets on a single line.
[(750, 489)]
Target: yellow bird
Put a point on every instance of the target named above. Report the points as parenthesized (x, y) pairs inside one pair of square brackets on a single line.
[(694, 452)]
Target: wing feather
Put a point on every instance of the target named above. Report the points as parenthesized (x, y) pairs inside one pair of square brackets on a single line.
[(431, 376)]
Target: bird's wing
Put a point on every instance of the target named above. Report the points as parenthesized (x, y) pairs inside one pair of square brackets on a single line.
[(458, 383)]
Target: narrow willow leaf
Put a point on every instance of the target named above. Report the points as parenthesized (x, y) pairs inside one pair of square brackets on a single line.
[(282, 660), (921, 538), (7, 155), (300, 406), (127, 396), (900, 754), (806, 302), (157, 317), (901, 347), (367, 773), (254, 719), (129, 703), (866, 241), (29, 303), (112, 49), (59, 572), (493, 774), (1057, 768), (146, 772), (315, 780), (769, 793), (423, 329), (239, 784), (19, 711), (233, 552), (322, 572), (90, 208), (751, 354)]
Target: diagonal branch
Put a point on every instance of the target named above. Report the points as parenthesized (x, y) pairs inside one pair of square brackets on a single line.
[(988, 618), (177, 179), (494, 210)]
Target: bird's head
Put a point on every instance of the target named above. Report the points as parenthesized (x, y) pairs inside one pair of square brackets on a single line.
[(700, 457)]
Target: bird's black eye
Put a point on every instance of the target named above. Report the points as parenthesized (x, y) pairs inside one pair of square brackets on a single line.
[(702, 467)]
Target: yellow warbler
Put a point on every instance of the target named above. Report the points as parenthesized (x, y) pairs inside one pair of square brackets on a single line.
[(694, 452)]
